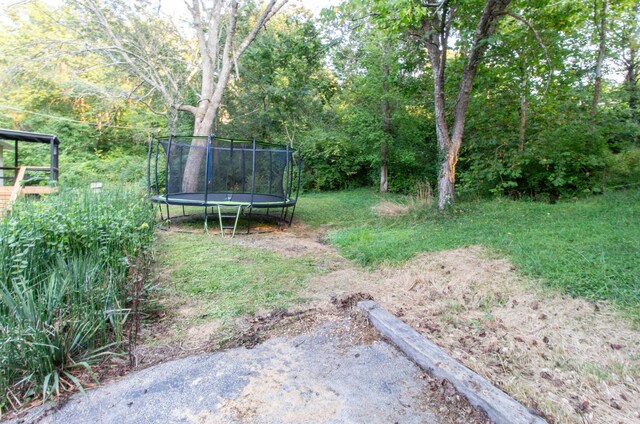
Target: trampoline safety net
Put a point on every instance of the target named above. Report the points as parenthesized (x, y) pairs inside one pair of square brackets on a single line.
[(215, 171)]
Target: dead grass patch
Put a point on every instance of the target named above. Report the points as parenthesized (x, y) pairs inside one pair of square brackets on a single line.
[(569, 359), (390, 209)]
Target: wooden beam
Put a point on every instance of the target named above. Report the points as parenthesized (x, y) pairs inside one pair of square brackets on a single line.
[(16, 185), (500, 407)]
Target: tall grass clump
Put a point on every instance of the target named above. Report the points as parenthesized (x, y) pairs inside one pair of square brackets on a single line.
[(64, 289)]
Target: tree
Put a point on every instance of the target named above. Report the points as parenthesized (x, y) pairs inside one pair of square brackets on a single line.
[(432, 24), (221, 38), (626, 30), (600, 22), (280, 92)]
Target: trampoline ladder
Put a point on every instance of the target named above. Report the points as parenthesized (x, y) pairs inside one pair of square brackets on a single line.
[(236, 217)]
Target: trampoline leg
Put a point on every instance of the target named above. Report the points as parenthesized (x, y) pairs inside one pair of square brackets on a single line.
[(292, 212), (206, 219), (168, 215), (235, 225), (249, 221), (220, 221), (161, 214), (183, 213)]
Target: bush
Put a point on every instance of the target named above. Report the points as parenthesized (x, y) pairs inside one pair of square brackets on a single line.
[(623, 168), (63, 285)]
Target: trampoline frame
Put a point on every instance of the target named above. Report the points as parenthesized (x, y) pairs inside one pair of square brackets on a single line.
[(239, 201)]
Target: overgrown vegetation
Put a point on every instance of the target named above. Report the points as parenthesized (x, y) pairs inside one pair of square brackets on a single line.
[(349, 92), (64, 292)]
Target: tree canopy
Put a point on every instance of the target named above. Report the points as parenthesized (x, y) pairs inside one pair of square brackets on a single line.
[(490, 97)]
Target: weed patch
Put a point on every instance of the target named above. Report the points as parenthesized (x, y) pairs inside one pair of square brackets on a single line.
[(64, 296)]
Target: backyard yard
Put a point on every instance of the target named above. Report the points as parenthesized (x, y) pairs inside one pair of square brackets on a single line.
[(471, 166), (540, 299)]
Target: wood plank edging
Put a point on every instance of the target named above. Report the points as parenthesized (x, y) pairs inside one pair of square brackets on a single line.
[(500, 407)]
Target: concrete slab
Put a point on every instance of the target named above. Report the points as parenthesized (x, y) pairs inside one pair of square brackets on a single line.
[(319, 377)]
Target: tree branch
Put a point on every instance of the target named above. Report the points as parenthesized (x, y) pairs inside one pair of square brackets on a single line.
[(540, 42)]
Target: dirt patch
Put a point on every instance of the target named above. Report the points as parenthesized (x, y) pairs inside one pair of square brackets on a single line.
[(349, 301), (286, 243), (568, 359)]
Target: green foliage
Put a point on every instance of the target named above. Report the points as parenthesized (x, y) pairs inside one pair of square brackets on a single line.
[(623, 168), (331, 161), (63, 285), (282, 81), (113, 169)]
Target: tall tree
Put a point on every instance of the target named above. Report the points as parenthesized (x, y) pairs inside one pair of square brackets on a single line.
[(600, 22), (221, 40), (431, 22)]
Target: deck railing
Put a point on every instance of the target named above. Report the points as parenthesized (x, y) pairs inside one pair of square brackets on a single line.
[(20, 185)]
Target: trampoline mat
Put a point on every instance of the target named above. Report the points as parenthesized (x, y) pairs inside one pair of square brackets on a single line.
[(225, 199)]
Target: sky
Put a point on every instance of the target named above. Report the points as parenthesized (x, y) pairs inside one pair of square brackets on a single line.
[(314, 6)]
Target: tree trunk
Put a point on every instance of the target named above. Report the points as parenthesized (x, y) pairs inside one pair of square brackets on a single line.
[(192, 173), (602, 34), (383, 168), (447, 181), (386, 120), (524, 105), (631, 79), (437, 32)]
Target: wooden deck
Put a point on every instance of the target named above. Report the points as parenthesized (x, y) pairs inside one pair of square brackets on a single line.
[(9, 194)]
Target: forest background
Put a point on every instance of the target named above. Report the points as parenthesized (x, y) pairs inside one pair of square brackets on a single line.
[(553, 112)]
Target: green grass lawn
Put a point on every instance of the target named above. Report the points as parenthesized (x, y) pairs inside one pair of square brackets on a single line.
[(588, 247), (340, 209), (230, 279)]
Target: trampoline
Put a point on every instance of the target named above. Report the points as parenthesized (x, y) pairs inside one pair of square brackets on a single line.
[(232, 177)]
